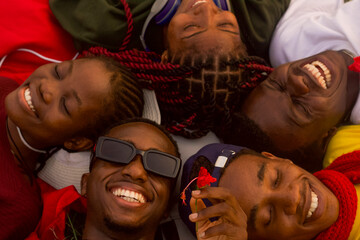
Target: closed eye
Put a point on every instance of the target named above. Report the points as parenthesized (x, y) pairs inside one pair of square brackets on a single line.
[(63, 105), (277, 85), (190, 26), (302, 106), (57, 72), (271, 213), (225, 24), (278, 178)]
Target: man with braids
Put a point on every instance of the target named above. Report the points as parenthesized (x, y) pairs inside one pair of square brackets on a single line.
[(61, 105), (128, 191), (261, 196)]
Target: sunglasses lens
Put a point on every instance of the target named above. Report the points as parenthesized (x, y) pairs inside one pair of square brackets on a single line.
[(162, 164), (117, 152)]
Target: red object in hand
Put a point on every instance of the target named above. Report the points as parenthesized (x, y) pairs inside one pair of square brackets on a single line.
[(356, 65), (204, 178)]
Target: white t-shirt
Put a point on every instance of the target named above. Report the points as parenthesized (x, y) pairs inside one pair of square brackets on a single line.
[(309, 27)]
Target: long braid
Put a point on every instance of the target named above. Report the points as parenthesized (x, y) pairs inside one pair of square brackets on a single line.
[(190, 107)]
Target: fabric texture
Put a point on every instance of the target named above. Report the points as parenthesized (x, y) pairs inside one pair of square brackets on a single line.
[(103, 23), (20, 203), (30, 26), (344, 141), (340, 178), (308, 28), (56, 207)]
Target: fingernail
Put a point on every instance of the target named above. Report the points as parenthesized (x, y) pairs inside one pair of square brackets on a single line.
[(196, 192), (193, 216), (202, 234)]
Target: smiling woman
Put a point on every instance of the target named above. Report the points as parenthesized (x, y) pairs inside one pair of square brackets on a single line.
[(60, 105)]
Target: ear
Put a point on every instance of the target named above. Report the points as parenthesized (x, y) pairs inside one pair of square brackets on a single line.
[(164, 57), (271, 156), (84, 179), (268, 155), (78, 144)]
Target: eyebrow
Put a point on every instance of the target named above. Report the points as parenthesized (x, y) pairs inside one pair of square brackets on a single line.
[(197, 33), (252, 216), (261, 172)]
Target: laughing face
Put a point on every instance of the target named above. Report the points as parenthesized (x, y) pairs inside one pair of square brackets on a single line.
[(200, 25), (58, 100), (281, 200), (301, 101), (127, 198)]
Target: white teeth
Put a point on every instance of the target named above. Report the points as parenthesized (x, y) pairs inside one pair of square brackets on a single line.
[(129, 196), (313, 69), (28, 99), (199, 2), (314, 204)]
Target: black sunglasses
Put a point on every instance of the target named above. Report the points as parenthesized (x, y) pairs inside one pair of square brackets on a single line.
[(118, 151)]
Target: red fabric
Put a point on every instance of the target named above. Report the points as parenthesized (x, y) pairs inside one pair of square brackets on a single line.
[(30, 24), (56, 205), (340, 178), (20, 204), (356, 65)]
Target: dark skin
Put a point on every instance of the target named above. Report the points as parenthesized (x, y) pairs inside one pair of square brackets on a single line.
[(270, 200), (133, 220), (63, 98), (293, 108), (201, 25)]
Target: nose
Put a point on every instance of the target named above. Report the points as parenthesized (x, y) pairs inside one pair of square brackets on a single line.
[(287, 199), (297, 86), (135, 170), (207, 9), (48, 90)]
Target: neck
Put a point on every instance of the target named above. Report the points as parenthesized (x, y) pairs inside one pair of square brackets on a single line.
[(91, 232), (26, 157)]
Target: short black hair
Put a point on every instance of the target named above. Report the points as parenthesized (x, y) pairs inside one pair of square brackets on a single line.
[(245, 132)]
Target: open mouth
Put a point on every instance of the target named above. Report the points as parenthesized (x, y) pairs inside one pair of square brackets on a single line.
[(129, 196), (320, 72), (314, 204), (198, 2), (28, 99)]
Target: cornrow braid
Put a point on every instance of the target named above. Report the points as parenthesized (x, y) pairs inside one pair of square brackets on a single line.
[(196, 93), (125, 100)]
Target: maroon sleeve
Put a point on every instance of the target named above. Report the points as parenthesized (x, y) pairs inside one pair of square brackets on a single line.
[(20, 203)]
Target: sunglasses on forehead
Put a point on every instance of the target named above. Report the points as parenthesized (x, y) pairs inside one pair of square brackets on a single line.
[(118, 151)]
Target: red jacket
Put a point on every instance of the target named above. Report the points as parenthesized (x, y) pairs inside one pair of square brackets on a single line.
[(57, 204), (30, 24)]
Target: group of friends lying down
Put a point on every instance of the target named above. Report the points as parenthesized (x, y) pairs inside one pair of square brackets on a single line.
[(180, 119)]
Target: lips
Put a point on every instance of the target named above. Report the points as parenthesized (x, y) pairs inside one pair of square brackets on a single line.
[(320, 72)]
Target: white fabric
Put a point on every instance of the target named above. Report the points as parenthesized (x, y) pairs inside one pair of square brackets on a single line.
[(63, 169), (309, 27)]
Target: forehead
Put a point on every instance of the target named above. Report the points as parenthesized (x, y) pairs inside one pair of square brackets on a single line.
[(144, 136)]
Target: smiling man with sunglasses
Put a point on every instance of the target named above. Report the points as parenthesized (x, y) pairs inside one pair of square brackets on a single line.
[(133, 172)]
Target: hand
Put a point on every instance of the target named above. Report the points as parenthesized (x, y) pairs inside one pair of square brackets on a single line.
[(232, 221)]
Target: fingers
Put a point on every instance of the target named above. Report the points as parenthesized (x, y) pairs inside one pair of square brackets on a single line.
[(232, 219)]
